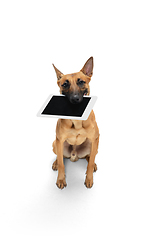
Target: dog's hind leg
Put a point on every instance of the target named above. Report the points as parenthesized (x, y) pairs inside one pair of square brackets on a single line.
[(55, 165), (54, 147)]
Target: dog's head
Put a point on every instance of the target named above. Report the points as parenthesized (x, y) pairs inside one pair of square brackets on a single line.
[(75, 86)]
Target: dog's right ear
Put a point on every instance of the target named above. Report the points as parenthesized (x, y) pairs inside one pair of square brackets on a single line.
[(59, 74)]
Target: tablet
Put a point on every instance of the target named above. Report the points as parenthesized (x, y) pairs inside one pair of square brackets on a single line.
[(58, 106)]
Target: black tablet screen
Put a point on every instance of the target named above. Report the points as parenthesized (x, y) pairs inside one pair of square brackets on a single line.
[(60, 105)]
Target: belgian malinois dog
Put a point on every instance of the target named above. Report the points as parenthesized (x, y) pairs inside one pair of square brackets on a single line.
[(76, 139)]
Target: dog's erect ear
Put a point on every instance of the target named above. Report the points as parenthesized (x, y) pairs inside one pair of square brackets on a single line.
[(88, 67), (59, 74)]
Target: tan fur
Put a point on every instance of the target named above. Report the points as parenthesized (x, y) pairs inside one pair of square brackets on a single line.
[(74, 138)]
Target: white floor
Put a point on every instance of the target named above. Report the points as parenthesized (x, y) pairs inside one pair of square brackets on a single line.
[(124, 201)]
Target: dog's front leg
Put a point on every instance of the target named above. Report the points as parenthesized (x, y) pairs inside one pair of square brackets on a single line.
[(91, 163), (61, 182)]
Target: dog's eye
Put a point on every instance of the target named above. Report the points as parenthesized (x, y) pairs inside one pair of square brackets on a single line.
[(65, 84), (80, 82)]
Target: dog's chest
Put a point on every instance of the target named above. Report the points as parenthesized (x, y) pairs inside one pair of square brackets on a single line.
[(76, 135)]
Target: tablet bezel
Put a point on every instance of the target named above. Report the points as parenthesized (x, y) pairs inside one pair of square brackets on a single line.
[(84, 116)]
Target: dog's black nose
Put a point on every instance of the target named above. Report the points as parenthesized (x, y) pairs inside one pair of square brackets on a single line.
[(75, 98)]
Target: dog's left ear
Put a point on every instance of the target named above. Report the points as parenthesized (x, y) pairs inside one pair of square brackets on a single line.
[(88, 67)]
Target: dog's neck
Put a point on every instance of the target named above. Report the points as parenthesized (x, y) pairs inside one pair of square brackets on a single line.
[(77, 124)]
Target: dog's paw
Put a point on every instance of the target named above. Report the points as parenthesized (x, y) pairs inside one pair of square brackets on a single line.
[(55, 166), (61, 183), (88, 183)]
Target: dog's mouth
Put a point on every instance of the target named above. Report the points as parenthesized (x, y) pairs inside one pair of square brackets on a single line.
[(76, 97), (85, 92)]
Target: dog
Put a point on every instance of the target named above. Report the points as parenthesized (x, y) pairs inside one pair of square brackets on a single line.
[(76, 139)]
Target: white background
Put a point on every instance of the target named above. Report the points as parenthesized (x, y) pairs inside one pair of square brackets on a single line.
[(124, 39)]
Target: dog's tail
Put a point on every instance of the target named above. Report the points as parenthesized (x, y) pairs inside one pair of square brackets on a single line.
[(74, 156)]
